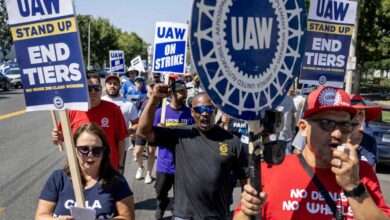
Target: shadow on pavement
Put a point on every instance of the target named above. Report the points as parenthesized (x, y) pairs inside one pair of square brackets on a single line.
[(383, 169), (149, 204)]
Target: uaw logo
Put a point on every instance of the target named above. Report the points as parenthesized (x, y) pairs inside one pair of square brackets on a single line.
[(247, 52), (58, 102), (322, 80), (105, 123), (223, 149), (329, 97)]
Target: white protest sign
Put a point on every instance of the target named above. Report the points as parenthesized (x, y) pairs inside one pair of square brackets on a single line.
[(138, 64), (170, 46), (117, 61)]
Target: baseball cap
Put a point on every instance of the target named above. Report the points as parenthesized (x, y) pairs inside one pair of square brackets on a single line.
[(112, 76), (372, 112), (139, 79), (179, 85), (328, 98)]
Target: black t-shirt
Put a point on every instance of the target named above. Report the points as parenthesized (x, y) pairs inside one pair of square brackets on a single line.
[(203, 163)]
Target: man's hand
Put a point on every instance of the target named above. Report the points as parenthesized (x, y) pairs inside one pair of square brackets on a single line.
[(160, 91), (161, 124), (56, 136), (345, 165), (251, 201)]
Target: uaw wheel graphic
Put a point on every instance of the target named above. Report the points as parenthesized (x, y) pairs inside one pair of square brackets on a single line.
[(58, 102), (247, 53)]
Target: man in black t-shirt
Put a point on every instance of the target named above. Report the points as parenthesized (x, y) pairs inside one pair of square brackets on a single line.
[(205, 154)]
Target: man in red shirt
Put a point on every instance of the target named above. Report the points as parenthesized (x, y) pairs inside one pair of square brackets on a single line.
[(107, 115), (326, 181)]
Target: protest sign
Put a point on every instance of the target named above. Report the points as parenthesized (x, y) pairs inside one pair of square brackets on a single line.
[(247, 53), (170, 46), (48, 50), (330, 26), (137, 64), (117, 61)]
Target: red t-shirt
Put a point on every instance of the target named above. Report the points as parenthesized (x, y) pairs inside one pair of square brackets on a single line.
[(292, 195), (109, 117)]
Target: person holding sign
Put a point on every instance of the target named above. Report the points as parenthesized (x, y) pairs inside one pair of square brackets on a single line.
[(326, 181), (105, 190), (205, 154), (107, 115), (177, 114)]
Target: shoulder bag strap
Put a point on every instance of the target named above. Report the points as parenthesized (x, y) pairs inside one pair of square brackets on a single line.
[(321, 187)]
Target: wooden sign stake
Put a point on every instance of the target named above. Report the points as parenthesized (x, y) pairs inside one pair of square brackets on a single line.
[(72, 159)]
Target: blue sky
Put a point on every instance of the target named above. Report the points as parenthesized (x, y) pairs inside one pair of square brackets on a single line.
[(137, 16)]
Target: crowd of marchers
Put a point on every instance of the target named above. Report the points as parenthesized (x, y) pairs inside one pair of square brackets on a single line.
[(328, 171)]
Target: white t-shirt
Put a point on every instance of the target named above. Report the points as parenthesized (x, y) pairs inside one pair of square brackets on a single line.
[(128, 109)]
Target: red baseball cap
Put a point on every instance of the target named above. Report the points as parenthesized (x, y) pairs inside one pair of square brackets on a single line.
[(112, 76), (328, 98), (358, 102)]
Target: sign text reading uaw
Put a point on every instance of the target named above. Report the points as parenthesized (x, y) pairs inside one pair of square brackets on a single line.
[(49, 54), (330, 27), (170, 44), (117, 61)]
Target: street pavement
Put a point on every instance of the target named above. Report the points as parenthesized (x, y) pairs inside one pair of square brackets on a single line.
[(27, 158)]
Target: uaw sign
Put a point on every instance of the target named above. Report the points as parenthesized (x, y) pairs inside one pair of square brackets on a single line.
[(247, 53), (117, 61), (48, 50), (170, 44), (330, 28)]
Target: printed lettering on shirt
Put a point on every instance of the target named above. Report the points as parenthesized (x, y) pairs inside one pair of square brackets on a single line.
[(171, 122), (71, 203), (314, 202), (105, 123), (93, 205), (223, 149)]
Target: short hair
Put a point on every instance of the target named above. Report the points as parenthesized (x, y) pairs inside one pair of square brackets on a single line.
[(93, 75), (108, 175)]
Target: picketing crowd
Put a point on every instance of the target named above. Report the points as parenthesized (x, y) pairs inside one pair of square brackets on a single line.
[(328, 171)]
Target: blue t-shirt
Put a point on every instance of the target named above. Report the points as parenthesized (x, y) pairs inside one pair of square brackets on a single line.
[(126, 86), (179, 117), (367, 149), (129, 91), (59, 189)]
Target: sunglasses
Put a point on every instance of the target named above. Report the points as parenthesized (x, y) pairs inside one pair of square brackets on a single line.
[(203, 108), (85, 150), (330, 125), (97, 88)]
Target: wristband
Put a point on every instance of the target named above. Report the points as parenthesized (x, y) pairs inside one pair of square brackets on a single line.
[(358, 191)]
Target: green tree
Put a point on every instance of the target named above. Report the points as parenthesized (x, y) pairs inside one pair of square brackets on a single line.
[(132, 45), (104, 37), (373, 40), (5, 32), (83, 23)]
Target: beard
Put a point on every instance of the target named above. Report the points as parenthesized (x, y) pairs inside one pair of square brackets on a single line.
[(113, 93)]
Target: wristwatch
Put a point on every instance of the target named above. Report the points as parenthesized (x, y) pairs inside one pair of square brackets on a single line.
[(358, 191)]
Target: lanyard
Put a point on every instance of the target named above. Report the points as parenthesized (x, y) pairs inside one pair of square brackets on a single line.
[(335, 210)]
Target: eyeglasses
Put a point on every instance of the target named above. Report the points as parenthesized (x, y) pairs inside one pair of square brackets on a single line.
[(203, 108), (85, 150), (97, 88), (330, 125)]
